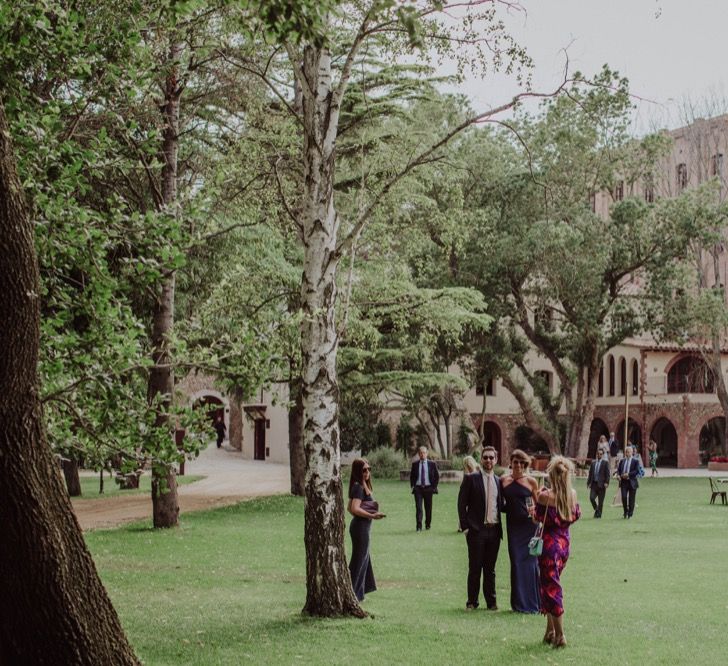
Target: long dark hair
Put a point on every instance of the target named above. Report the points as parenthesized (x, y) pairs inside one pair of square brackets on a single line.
[(357, 474)]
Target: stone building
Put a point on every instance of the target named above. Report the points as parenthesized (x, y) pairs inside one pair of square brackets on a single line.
[(258, 429)]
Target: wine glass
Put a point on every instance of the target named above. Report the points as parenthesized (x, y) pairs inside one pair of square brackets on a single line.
[(529, 505)]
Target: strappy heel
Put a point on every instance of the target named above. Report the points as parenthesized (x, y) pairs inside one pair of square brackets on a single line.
[(549, 637), (559, 642)]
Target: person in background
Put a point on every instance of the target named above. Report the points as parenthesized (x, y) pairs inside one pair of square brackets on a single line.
[(364, 509), (628, 473), (597, 482), (424, 477), (479, 507), (219, 425), (470, 465), (557, 508), (614, 451), (652, 448), (519, 495)]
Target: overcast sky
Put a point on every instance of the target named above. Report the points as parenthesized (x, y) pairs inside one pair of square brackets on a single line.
[(669, 49)]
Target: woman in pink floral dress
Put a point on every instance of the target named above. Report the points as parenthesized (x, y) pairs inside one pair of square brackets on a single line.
[(557, 508)]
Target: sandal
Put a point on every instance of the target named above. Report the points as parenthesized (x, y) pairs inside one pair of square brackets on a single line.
[(559, 642), (549, 637)]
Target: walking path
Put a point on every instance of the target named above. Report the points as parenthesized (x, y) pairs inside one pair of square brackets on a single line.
[(229, 479)]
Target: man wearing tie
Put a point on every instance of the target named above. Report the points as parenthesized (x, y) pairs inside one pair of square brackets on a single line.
[(424, 477), (628, 471), (597, 482), (479, 506)]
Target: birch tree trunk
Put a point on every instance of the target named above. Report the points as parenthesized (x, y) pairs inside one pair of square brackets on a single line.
[(295, 438), (328, 583), (53, 607), (165, 505)]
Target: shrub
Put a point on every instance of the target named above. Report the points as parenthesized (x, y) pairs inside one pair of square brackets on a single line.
[(719, 459), (386, 463), (405, 438)]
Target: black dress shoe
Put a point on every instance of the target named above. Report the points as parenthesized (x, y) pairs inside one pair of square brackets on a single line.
[(419, 529), (470, 606), (493, 607), (427, 528)]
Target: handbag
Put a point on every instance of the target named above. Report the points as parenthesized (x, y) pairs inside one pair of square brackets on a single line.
[(535, 543), (370, 506)]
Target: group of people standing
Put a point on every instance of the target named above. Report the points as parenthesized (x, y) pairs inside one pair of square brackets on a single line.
[(482, 499), (535, 581), (626, 466)]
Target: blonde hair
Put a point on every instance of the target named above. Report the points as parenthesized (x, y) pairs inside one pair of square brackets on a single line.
[(469, 464), (559, 472)]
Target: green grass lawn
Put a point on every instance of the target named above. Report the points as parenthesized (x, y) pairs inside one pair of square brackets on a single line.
[(228, 586), (90, 486)]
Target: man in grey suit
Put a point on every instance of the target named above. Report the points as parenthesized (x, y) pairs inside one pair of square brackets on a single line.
[(597, 482)]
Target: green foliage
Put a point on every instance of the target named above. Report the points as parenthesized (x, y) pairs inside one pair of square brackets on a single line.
[(405, 439), (386, 463)]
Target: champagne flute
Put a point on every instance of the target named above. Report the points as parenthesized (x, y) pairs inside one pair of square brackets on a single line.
[(529, 505)]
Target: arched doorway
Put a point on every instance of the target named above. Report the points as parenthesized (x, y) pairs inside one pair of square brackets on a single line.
[(598, 428), (527, 440), (634, 433), (492, 436), (664, 433), (712, 439)]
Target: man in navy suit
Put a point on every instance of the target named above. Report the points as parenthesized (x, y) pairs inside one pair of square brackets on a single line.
[(597, 482), (424, 477), (479, 507), (628, 472)]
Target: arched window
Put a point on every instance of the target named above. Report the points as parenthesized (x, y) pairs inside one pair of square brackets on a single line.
[(610, 361), (690, 375), (622, 376), (635, 377), (601, 379)]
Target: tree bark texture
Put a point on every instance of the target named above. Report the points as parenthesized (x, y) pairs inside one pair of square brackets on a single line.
[(53, 607), (73, 481), (295, 438), (165, 505), (328, 584)]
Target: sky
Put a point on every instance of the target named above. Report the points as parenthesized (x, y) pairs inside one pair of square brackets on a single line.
[(670, 50)]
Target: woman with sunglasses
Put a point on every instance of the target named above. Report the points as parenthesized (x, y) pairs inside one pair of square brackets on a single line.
[(519, 494), (364, 509)]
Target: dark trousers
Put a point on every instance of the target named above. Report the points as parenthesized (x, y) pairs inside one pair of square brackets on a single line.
[(483, 548), (596, 497), (629, 495), (423, 495)]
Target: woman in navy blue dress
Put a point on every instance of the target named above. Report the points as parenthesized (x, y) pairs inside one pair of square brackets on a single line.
[(519, 494), (364, 509)]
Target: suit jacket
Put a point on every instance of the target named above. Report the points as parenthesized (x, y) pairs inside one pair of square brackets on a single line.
[(471, 503), (613, 447), (633, 470), (600, 480), (432, 472)]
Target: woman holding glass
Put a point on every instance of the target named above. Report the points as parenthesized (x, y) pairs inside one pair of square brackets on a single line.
[(364, 509), (519, 492), (557, 509)]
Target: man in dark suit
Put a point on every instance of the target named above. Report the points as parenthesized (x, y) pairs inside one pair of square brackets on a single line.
[(424, 477), (628, 471), (597, 482), (479, 506)]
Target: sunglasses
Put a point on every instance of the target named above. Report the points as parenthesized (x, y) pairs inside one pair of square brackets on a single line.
[(488, 457), (366, 469), (517, 462)]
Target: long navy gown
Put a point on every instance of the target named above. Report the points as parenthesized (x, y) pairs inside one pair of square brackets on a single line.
[(360, 565), (525, 597)]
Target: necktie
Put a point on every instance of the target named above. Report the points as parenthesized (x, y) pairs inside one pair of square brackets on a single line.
[(422, 472), (596, 471), (488, 497)]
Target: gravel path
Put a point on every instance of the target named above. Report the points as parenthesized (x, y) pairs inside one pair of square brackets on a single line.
[(229, 479)]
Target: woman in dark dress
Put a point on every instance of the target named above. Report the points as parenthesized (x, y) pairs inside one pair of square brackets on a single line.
[(557, 509), (364, 509), (519, 494)]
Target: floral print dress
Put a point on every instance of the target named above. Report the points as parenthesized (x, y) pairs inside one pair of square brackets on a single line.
[(553, 559)]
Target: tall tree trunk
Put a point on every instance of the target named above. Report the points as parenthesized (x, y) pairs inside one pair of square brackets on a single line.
[(295, 437), (73, 481), (530, 415), (584, 409), (165, 505), (53, 607), (328, 583)]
